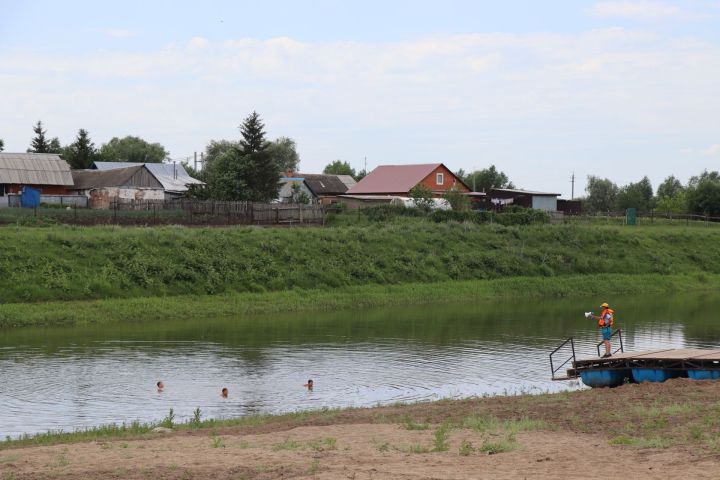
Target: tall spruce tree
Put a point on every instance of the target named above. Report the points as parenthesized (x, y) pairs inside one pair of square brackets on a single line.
[(253, 133), (39, 143), (258, 168), (2, 145), (82, 152)]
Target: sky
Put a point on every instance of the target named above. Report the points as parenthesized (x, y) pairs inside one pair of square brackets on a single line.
[(541, 90)]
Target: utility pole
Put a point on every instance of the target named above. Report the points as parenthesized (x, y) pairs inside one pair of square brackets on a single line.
[(572, 188), (195, 158), (365, 168)]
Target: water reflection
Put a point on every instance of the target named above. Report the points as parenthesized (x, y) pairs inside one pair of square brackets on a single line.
[(80, 377)]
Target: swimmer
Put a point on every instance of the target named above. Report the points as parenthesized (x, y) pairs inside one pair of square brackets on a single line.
[(224, 392), (309, 384), (160, 386)]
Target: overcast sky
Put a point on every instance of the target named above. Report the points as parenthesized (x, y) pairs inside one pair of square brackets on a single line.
[(541, 89)]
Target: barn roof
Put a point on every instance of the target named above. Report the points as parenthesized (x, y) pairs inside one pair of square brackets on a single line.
[(34, 169), (172, 176), (86, 179), (324, 184)]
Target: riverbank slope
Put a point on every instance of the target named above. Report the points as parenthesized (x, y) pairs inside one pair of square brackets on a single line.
[(668, 430), (67, 275)]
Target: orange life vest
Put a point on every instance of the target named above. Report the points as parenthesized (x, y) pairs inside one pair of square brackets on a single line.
[(601, 321)]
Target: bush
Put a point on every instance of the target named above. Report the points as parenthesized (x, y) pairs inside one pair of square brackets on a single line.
[(514, 216), (383, 213)]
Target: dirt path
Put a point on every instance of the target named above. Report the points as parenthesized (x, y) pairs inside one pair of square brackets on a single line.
[(376, 444)]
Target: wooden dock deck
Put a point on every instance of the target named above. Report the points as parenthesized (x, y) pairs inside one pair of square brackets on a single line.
[(666, 359)]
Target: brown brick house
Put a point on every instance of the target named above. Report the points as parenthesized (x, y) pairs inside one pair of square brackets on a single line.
[(398, 180)]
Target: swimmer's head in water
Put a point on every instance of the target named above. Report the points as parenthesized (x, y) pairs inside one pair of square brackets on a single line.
[(224, 392), (160, 384)]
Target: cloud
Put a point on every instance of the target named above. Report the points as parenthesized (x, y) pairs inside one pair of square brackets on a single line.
[(639, 10), (712, 150), (119, 33), (500, 97)]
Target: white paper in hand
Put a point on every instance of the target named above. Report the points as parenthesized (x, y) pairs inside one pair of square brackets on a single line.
[(587, 314)]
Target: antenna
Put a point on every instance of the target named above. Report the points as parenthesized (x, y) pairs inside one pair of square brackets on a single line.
[(572, 188)]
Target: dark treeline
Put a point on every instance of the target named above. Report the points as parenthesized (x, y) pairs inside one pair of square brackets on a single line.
[(82, 152), (700, 195)]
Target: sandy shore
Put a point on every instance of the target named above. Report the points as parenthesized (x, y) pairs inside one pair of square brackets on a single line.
[(550, 436)]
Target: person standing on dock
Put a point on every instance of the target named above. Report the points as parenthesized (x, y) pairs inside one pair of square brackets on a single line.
[(606, 320)]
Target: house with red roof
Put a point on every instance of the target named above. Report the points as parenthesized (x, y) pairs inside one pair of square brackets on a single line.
[(398, 180)]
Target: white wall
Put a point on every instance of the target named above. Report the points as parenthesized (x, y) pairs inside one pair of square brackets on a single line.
[(544, 203)]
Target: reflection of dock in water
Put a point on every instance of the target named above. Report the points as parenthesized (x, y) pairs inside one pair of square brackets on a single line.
[(644, 366)]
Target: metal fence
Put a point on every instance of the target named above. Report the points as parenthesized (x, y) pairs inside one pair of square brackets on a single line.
[(55, 200), (174, 212), (646, 218)]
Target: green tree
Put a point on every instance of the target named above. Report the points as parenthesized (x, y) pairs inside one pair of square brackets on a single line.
[(636, 195), (260, 171), (39, 143), (253, 135), (298, 195), (82, 152), (283, 150), (246, 172), (338, 167), (2, 145), (670, 187), (132, 149), (487, 178), (422, 196), (703, 194), (601, 195), (457, 199), (675, 204), (360, 175)]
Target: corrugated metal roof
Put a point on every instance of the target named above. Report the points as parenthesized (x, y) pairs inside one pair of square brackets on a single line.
[(393, 178), (348, 180), (324, 184), (172, 176), (34, 169), (87, 179)]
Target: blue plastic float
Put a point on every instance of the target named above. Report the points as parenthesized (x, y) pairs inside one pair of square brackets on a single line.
[(704, 374), (604, 378), (655, 374)]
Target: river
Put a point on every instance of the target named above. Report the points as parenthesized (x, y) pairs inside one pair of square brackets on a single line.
[(69, 378)]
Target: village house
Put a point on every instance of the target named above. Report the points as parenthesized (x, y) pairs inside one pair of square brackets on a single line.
[(105, 188), (173, 177), (398, 180), (45, 172), (393, 183), (318, 188)]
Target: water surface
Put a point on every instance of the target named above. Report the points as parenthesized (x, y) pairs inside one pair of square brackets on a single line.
[(67, 378)]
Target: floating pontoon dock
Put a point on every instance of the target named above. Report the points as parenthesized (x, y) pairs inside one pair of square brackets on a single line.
[(645, 366)]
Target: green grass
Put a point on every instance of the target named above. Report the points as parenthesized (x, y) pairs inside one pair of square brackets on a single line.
[(119, 273), (74, 263), (287, 444)]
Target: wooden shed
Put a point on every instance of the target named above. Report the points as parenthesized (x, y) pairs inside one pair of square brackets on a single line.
[(122, 185)]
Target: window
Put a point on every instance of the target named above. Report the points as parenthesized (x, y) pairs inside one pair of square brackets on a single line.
[(439, 178)]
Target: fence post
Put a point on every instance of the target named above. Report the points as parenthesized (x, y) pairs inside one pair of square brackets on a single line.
[(300, 212), (277, 215)]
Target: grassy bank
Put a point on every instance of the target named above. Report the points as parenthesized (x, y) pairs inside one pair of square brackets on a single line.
[(148, 309), (76, 263)]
